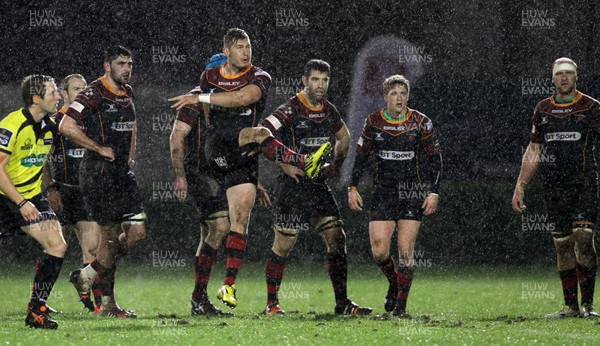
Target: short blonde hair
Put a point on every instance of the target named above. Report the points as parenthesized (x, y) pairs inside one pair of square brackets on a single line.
[(392, 81)]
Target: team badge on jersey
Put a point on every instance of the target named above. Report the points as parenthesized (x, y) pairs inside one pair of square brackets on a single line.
[(27, 145), (221, 161), (111, 107), (302, 124), (5, 136)]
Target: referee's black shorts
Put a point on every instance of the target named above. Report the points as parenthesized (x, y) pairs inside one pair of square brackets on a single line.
[(11, 219)]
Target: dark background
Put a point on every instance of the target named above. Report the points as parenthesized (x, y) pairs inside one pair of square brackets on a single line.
[(484, 68)]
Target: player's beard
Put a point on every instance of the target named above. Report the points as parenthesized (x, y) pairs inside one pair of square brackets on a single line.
[(313, 97), (566, 93), (118, 80)]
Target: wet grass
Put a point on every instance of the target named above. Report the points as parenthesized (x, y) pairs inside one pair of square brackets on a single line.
[(452, 305)]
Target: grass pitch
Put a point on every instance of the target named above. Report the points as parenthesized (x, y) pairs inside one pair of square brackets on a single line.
[(466, 305)]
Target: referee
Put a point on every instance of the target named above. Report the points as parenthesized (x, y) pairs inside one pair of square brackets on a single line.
[(26, 137)]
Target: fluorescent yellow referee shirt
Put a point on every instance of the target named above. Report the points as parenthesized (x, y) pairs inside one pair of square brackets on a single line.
[(28, 144)]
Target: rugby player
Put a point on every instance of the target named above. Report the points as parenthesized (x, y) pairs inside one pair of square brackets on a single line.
[(110, 192), (408, 167), (305, 122), (64, 194), (565, 127), (194, 177), (236, 93), (26, 137)]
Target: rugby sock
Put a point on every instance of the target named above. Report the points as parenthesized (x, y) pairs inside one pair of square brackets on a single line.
[(388, 267), (46, 273), (97, 290), (587, 283), (274, 272), (568, 279), (91, 270), (235, 248), (105, 278), (274, 150), (405, 278), (337, 266), (110, 278), (83, 266), (202, 268)]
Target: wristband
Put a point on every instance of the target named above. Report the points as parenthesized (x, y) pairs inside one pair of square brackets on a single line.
[(23, 202), (204, 98), (521, 185)]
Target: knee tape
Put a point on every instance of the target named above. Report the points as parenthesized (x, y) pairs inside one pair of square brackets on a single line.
[(327, 225), (134, 219), (288, 232), (563, 235)]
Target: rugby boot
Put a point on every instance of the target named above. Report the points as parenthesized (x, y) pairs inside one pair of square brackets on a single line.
[(400, 313), (82, 284), (351, 308), (49, 309), (565, 312), (391, 298), (314, 160), (86, 299), (273, 309), (109, 308), (37, 317), (588, 310), (227, 295), (204, 307)]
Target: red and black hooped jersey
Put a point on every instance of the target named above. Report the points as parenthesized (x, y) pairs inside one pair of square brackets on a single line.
[(66, 156), (108, 115), (229, 121), (303, 128), (399, 149), (568, 132), (193, 115)]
